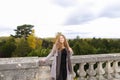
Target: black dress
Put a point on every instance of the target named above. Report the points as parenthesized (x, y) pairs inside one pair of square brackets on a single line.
[(63, 68)]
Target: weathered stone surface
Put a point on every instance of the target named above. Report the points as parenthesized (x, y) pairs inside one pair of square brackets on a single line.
[(18, 63), (19, 68), (29, 68)]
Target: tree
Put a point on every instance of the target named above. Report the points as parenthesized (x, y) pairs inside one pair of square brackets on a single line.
[(40, 52), (22, 48), (82, 47), (23, 31), (77, 49), (31, 40), (8, 48), (47, 43)]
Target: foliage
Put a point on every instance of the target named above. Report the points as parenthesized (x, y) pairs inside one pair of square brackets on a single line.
[(32, 40), (25, 43), (47, 43), (8, 47), (39, 52), (22, 48), (23, 31), (81, 47)]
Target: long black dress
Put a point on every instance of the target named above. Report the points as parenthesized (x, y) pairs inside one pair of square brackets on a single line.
[(63, 68)]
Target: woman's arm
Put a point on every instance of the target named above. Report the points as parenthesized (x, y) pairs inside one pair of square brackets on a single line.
[(71, 51), (50, 54)]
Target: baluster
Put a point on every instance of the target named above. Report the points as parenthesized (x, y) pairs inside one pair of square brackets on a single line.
[(108, 70), (44, 73), (73, 75), (100, 71), (91, 72), (116, 70), (81, 71)]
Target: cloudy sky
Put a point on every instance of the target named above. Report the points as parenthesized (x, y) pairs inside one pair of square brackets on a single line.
[(84, 18)]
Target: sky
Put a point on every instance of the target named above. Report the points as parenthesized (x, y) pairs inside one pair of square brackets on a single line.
[(84, 18)]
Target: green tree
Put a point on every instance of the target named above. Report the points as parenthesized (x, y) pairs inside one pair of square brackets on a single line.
[(8, 48), (40, 52), (47, 43), (77, 49), (100, 45), (22, 48), (23, 31), (82, 47)]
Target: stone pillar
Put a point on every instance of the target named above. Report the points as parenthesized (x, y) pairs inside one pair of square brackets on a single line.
[(100, 71), (73, 75), (116, 70), (81, 71), (108, 70), (91, 72)]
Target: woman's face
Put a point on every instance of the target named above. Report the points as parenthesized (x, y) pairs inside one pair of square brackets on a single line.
[(62, 39)]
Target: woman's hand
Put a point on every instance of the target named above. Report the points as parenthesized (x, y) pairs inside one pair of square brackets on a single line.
[(42, 60)]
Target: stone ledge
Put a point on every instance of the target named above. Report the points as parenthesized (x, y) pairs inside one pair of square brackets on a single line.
[(28, 68), (18, 63), (33, 62), (95, 58)]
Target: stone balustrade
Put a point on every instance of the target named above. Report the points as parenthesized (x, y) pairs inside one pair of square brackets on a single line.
[(86, 67)]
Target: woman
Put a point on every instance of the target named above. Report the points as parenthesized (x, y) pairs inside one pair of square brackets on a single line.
[(61, 66)]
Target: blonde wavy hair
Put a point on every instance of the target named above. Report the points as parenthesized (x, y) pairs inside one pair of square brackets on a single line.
[(58, 44)]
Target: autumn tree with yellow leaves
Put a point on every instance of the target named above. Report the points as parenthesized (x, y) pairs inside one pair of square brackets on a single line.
[(33, 41)]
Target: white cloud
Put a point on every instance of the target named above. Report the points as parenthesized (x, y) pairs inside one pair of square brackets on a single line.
[(86, 18), (41, 12), (99, 28), (87, 10)]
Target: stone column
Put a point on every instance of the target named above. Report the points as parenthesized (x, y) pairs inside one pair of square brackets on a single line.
[(116, 70), (108, 70), (81, 71), (73, 75), (100, 71), (91, 72)]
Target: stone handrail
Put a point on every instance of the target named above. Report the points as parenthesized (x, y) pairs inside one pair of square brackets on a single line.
[(89, 67)]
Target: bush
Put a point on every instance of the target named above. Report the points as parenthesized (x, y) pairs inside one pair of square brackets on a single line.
[(41, 52)]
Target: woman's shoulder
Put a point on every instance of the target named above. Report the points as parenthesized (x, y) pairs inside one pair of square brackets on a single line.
[(70, 48), (54, 46)]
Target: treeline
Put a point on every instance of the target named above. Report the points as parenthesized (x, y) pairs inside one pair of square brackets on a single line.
[(94, 46), (25, 43), (20, 47), (33, 46)]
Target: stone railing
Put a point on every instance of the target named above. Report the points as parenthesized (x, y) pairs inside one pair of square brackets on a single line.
[(89, 67)]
